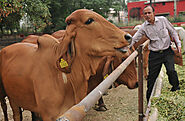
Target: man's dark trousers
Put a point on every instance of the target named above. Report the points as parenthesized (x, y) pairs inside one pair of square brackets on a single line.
[(156, 59)]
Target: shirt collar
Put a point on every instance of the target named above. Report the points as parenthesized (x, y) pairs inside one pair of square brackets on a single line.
[(156, 19)]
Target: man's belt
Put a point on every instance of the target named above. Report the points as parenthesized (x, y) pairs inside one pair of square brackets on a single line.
[(161, 51)]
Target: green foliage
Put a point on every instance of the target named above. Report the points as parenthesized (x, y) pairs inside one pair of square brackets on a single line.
[(60, 10), (171, 105), (37, 12), (9, 14), (132, 22), (180, 18), (7, 7), (50, 15), (12, 21)]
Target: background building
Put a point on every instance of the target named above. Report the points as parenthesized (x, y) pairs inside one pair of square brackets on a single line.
[(162, 7)]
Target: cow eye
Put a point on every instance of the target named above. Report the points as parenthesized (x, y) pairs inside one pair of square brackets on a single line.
[(68, 22), (90, 20)]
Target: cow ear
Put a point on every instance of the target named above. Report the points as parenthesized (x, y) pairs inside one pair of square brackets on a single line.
[(65, 61), (107, 69), (99, 65)]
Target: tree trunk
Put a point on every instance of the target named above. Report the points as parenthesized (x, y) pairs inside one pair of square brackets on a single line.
[(118, 16), (2, 30), (11, 32)]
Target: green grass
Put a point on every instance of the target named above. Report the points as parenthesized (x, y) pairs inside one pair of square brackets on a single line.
[(171, 105)]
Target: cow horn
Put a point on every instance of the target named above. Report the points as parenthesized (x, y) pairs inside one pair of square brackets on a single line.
[(107, 65)]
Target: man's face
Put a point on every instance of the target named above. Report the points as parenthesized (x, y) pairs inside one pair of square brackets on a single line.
[(148, 14)]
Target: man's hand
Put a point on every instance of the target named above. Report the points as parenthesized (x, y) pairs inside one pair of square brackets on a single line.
[(179, 49), (130, 46)]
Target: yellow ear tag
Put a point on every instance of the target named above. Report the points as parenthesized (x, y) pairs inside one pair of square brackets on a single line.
[(106, 76), (63, 63)]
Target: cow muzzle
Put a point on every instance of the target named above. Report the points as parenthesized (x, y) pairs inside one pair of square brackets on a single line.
[(128, 37), (123, 49)]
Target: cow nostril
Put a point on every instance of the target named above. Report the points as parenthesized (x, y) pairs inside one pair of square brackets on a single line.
[(123, 59), (137, 85), (128, 37)]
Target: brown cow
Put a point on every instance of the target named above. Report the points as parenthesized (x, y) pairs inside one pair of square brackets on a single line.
[(52, 77), (58, 34), (145, 50), (31, 39), (97, 79)]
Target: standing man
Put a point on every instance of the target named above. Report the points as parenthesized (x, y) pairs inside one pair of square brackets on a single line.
[(157, 29)]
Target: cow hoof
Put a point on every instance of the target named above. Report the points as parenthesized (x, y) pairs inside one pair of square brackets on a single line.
[(100, 108)]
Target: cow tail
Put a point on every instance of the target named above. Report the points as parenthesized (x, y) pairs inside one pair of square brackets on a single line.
[(2, 93), (2, 90)]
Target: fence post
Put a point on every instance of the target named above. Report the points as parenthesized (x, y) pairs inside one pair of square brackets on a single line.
[(140, 88)]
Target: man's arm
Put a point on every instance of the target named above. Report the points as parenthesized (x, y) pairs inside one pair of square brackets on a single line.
[(137, 36), (173, 33)]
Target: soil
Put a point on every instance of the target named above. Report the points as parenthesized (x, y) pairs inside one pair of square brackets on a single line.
[(122, 104)]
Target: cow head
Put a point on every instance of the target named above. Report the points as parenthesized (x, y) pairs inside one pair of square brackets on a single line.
[(129, 75), (89, 38)]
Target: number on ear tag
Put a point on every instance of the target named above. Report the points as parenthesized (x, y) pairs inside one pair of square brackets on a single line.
[(106, 76), (63, 63)]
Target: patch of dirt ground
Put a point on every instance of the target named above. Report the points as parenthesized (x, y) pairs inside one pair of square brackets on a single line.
[(122, 104)]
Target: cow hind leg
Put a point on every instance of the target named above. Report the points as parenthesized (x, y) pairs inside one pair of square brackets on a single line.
[(36, 117), (20, 114), (4, 108)]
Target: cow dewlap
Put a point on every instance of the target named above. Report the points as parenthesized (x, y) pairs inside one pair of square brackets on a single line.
[(64, 77)]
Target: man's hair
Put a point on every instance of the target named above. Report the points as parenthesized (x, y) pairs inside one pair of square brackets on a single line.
[(150, 6)]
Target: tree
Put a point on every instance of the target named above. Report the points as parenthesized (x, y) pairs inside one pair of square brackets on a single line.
[(9, 9), (60, 9), (37, 11), (51, 14)]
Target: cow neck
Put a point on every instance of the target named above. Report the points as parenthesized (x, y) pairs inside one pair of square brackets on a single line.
[(75, 77), (78, 80)]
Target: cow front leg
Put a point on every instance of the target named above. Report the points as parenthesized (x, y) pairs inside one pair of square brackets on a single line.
[(101, 106), (17, 113), (36, 117), (4, 108)]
